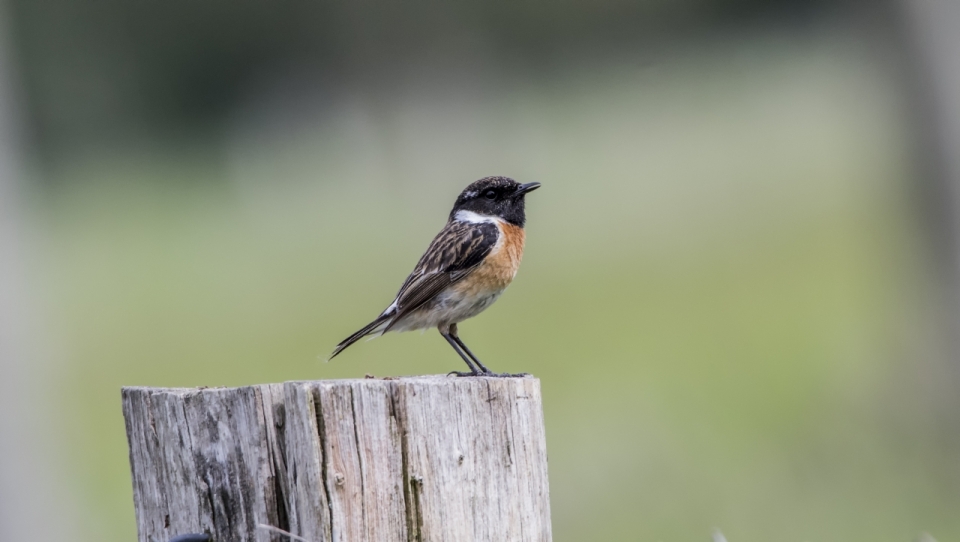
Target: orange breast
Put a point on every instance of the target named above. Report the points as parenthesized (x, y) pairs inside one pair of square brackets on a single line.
[(511, 252), (500, 266)]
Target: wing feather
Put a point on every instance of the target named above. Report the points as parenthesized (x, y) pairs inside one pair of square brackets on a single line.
[(456, 251)]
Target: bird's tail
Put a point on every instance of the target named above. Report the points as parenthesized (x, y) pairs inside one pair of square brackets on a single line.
[(375, 326)]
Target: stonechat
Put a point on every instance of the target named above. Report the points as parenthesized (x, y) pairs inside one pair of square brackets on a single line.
[(464, 270)]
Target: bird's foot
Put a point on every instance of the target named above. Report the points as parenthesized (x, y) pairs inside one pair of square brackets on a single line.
[(489, 374), (505, 375)]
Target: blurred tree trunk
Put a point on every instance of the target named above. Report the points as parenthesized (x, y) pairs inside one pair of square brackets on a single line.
[(32, 497), (927, 34), (930, 31)]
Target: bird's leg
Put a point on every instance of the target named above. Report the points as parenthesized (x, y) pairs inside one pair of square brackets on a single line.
[(453, 334), (453, 344), (486, 372)]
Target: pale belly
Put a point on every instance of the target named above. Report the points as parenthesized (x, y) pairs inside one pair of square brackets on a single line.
[(450, 307), (476, 292)]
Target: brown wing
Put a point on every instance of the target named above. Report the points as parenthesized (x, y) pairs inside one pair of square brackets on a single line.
[(456, 251)]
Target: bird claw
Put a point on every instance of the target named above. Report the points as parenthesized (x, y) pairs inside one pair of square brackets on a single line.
[(489, 374)]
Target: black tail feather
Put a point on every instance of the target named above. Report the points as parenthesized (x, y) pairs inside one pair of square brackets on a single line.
[(367, 330)]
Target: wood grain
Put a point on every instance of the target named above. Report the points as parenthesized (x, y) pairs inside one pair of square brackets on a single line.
[(413, 459)]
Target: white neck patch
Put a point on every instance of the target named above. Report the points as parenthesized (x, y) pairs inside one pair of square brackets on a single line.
[(474, 218)]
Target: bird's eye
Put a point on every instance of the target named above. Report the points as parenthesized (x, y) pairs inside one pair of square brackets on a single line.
[(490, 194)]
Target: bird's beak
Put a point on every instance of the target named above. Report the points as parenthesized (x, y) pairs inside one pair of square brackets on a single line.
[(524, 188)]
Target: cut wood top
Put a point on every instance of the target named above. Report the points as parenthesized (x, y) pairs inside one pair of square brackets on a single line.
[(412, 458)]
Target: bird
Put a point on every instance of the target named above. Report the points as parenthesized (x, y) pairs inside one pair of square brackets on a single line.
[(465, 269)]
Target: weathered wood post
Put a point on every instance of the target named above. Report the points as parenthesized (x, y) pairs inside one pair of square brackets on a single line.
[(410, 459)]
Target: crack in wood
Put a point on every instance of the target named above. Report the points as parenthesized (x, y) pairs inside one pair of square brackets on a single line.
[(411, 500), (324, 477), (359, 447)]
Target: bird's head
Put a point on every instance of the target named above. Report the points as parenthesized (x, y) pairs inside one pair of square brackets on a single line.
[(493, 197)]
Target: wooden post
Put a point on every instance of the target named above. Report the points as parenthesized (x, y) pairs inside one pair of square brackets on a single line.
[(410, 459)]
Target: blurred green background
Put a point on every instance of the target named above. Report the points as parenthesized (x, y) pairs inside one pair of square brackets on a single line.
[(727, 292)]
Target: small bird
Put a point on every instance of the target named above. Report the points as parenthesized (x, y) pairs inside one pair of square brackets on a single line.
[(464, 270)]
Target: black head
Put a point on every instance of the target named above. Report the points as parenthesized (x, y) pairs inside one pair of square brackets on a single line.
[(495, 196)]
